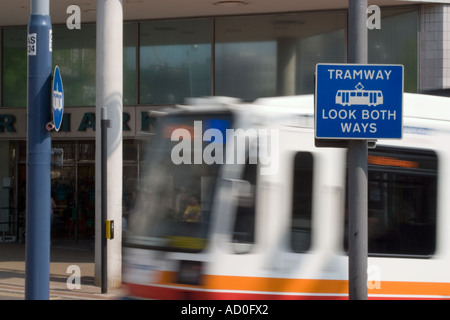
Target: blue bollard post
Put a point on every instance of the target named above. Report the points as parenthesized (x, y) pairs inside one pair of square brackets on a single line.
[(37, 258)]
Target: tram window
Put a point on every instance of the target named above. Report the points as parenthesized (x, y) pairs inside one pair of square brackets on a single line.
[(244, 224), (402, 201), (302, 202)]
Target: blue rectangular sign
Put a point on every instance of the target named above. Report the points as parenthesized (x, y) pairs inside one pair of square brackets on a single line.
[(358, 101)]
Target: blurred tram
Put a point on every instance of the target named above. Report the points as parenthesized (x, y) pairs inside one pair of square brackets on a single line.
[(266, 217)]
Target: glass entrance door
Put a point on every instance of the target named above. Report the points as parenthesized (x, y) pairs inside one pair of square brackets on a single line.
[(86, 201), (73, 192), (64, 216)]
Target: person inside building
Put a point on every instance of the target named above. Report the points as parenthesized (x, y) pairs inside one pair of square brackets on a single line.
[(193, 210)]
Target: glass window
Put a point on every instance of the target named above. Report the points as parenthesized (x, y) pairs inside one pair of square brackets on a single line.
[(302, 202), (245, 70), (130, 150), (129, 184), (275, 55), (244, 222), (23, 151), (63, 189), (14, 67), (396, 43), (175, 60), (129, 63), (74, 52), (69, 149), (175, 197), (86, 150), (255, 56), (323, 40), (402, 196)]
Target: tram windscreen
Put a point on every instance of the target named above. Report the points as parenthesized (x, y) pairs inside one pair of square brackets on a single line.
[(176, 188)]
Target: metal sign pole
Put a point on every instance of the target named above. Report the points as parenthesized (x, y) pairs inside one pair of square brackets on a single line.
[(37, 258), (357, 166), (104, 124)]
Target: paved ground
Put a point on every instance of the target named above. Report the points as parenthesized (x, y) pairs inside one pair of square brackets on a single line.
[(63, 255)]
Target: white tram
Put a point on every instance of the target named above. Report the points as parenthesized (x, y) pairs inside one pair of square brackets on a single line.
[(267, 217)]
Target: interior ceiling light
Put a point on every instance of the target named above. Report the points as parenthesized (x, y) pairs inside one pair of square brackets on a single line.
[(231, 3)]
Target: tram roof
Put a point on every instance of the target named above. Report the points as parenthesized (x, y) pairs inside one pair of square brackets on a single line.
[(414, 105)]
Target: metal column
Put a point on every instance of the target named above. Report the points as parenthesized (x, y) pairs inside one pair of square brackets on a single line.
[(37, 258), (104, 124), (357, 165)]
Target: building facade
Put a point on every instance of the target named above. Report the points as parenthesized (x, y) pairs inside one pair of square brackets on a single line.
[(166, 60)]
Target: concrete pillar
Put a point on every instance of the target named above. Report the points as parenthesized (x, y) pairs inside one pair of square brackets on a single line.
[(109, 84), (1, 71), (286, 66)]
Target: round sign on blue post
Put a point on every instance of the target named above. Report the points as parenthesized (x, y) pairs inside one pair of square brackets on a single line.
[(57, 99), (358, 101)]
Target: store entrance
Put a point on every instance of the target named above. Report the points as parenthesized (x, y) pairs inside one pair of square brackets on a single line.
[(73, 194), (72, 191), (72, 188)]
